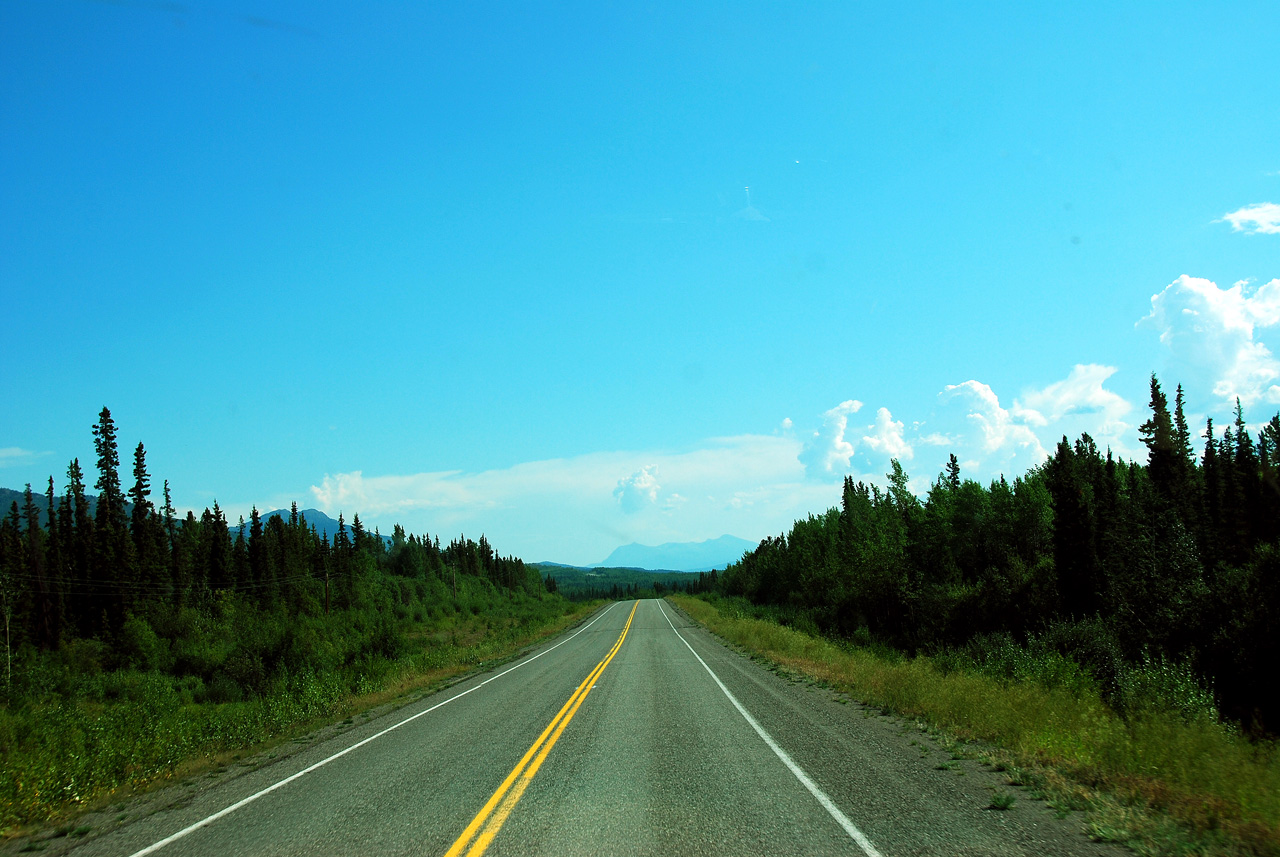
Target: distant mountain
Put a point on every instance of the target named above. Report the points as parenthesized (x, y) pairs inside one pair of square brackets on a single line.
[(314, 517), (322, 523), (680, 556), (8, 497)]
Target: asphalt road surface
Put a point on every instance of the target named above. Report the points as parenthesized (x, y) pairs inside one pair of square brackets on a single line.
[(636, 733)]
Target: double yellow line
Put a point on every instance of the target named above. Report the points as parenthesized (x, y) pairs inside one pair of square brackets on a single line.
[(512, 788)]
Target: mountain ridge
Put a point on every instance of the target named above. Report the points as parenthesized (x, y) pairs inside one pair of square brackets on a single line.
[(679, 556)]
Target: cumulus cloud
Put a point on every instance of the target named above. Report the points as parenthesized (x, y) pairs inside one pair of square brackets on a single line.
[(886, 437), (1080, 393), (1004, 434), (638, 490), (828, 453), (1262, 217), (1213, 336)]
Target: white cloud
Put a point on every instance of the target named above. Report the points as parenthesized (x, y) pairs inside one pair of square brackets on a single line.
[(578, 509), (1264, 217), (571, 510), (1006, 438), (886, 437), (638, 490), (1212, 335), (1080, 394), (935, 439), (11, 456), (827, 453)]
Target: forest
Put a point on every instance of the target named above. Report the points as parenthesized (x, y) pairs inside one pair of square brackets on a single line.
[(135, 640), (1173, 563), (590, 584)]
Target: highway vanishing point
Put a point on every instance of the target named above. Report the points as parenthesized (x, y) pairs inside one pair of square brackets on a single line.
[(636, 733)]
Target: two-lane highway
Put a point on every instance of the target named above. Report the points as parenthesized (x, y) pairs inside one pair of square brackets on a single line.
[(637, 733)]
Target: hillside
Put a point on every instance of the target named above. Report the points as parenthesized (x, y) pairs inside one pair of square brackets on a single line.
[(680, 556)]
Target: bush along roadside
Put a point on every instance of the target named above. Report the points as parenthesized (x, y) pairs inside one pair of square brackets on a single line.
[(80, 734), (1151, 764)]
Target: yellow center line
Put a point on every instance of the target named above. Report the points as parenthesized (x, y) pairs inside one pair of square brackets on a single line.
[(522, 774)]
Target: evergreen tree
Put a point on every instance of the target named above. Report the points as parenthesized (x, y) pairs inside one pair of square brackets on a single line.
[(1075, 552), (953, 472), (152, 575), (10, 563), (1249, 525), (55, 563), (257, 562), (43, 626), (83, 610), (139, 494), (357, 533), (215, 550), (169, 524), (110, 499), (113, 559), (1163, 446)]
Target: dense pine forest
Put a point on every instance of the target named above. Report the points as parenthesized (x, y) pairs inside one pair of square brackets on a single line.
[(1172, 565), (135, 640)]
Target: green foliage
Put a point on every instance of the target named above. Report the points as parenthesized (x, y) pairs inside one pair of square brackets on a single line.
[(1121, 569), (1164, 771), (139, 642), (589, 584), (1002, 800), (88, 719)]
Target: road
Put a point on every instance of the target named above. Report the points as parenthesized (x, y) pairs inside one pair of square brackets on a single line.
[(636, 733)]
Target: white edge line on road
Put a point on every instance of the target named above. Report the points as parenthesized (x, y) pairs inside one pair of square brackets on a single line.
[(156, 846), (827, 803)]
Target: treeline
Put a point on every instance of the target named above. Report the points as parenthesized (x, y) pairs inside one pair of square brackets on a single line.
[(1108, 561), (614, 584), (131, 569)]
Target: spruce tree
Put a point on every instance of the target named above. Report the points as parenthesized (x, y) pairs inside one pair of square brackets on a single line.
[(110, 499), (1162, 445), (82, 609), (953, 472), (10, 562), (113, 559), (139, 494), (55, 563), (168, 516), (1249, 525), (1074, 535), (257, 571)]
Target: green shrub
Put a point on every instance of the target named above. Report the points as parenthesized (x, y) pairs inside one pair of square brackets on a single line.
[(1160, 685), (140, 647)]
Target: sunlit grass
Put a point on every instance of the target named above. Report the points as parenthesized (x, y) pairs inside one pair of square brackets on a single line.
[(1136, 775), (61, 755)]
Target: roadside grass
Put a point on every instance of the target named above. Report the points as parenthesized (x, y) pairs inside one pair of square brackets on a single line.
[(64, 756), (1155, 781)]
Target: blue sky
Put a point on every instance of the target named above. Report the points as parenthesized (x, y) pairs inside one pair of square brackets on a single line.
[(494, 267)]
